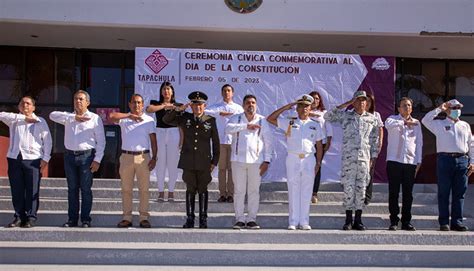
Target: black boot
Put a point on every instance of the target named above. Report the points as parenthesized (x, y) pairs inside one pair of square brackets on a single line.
[(190, 199), (348, 225), (203, 198), (358, 221)]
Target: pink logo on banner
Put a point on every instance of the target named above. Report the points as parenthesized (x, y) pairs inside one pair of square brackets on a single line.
[(156, 61)]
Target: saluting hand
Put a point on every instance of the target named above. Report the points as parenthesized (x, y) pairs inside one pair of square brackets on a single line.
[(80, 118), (225, 114), (253, 126), (135, 117), (290, 105), (182, 107), (445, 106), (30, 119)]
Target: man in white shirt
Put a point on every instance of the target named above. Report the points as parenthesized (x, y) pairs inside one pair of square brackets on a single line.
[(85, 143), (454, 145), (137, 131), (250, 158), (222, 112), (28, 155), (302, 134), (405, 144)]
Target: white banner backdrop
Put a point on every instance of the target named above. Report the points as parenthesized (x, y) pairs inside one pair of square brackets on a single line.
[(275, 78)]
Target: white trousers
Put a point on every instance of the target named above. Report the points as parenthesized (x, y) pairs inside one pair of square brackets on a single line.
[(168, 157), (300, 174), (247, 180)]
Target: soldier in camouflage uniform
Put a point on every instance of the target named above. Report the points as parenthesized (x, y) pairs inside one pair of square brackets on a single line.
[(358, 152)]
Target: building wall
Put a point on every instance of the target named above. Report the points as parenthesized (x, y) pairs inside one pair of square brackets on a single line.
[(408, 17)]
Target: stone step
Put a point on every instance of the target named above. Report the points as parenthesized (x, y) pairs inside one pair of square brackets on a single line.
[(58, 204), (240, 255), (180, 185), (228, 236), (419, 198), (226, 220)]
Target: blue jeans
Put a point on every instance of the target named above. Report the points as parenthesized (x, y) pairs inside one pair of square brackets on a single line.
[(79, 177), (452, 179), (24, 176)]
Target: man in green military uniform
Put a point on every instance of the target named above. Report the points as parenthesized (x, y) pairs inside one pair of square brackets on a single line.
[(197, 160)]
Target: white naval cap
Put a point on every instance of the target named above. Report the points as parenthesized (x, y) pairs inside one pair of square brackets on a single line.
[(305, 99)]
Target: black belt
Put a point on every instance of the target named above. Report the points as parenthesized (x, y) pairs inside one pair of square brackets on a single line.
[(453, 154), (136, 152), (80, 152)]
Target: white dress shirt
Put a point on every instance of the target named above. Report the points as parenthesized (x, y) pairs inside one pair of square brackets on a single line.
[(405, 143), (379, 119), (303, 134), (221, 121), (81, 136), (451, 136), (325, 126), (249, 146), (136, 135), (33, 140)]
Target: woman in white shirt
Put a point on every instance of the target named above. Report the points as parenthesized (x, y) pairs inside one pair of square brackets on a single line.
[(371, 109), (317, 114)]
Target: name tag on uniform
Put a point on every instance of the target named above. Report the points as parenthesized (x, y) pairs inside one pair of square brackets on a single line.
[(447, 128), (312, 127)]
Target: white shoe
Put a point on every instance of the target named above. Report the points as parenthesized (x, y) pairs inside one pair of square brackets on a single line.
[(305, 227), (291, 228)]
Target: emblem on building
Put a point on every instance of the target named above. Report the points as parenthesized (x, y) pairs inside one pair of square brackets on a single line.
[(243, 6), (156, 61), (380, 64)]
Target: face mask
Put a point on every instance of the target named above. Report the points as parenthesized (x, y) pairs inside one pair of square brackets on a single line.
[(455, 113)]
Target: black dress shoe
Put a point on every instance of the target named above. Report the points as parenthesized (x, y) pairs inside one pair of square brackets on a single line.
[(230, 199), (145, 224), (70, 224), (86, 224), (222, 199), (459, 227), (15, 223), (30, 223), (408, 227), (393, 227), (347, 227), (359, 227), (444, 228)]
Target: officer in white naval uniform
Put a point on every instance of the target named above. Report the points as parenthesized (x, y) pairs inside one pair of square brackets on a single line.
[(302, 134)]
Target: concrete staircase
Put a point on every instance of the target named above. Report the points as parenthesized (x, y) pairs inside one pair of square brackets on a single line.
[(168, 244)]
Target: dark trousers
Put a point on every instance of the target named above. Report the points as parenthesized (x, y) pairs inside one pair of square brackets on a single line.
[(79, 178), (196, 180), (24, 176), (452, 179), (404, 175), (317, 178)]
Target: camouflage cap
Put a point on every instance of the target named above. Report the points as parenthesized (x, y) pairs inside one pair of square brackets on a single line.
[(360, 94)]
